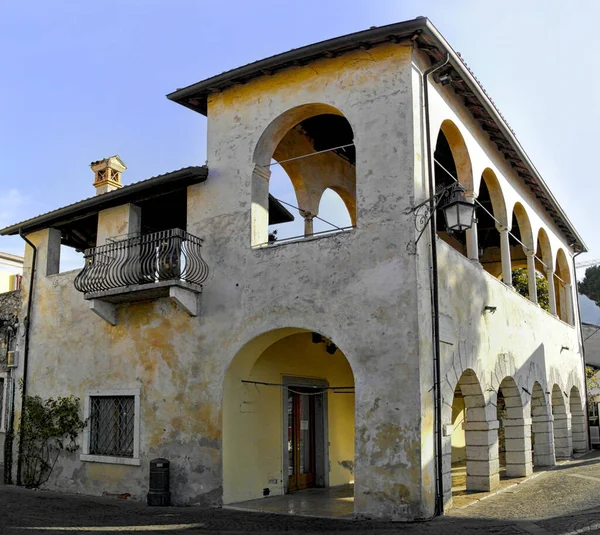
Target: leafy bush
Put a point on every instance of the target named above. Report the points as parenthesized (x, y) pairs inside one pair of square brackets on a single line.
[(48, 428), (521, 284)]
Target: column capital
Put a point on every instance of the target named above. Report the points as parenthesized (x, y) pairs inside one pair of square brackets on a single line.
[(501, 228), (528, 252), (470, 196), (307, 215), (262, 171)]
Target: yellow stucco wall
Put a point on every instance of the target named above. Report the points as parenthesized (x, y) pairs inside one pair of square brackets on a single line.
[(458, 433)]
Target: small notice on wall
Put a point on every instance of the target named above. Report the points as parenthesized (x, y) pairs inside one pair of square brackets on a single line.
[(303, 425), (447, 330)]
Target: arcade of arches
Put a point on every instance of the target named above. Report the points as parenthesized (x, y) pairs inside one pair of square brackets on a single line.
[(508, 433), (502, 239)]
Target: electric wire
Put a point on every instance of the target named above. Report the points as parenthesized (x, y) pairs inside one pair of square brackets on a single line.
[(310, 154)]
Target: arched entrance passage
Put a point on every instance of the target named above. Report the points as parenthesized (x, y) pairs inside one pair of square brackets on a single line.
[(284, 427), (542, 433), (562, 425), (474, 440), (578, 425), (514, 432)]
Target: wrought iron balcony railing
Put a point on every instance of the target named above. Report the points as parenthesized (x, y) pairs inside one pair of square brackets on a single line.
[(168, 255)]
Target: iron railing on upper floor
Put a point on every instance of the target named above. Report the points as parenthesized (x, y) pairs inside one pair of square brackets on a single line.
[(168, 255)]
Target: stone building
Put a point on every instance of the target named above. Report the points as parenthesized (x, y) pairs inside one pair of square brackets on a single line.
[(9, 321), (378, 356)]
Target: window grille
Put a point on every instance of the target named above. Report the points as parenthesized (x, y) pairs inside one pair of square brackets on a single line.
[(112, 425)]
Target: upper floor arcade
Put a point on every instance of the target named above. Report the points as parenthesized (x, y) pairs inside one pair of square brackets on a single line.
[(343, 117)]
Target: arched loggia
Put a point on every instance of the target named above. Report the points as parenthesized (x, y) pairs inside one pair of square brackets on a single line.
[(452, 163), (314, 145)]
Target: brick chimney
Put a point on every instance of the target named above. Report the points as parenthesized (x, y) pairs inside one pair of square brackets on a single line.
[(107, 174)]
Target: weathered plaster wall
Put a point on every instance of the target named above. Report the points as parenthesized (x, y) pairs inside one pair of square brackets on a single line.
[(357, 288), (253, 417), (519, 339)]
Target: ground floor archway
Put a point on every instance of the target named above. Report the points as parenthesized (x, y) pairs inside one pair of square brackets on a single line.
[(288, 416)]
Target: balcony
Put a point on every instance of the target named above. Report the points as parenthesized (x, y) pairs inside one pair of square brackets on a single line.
[(162, 264)]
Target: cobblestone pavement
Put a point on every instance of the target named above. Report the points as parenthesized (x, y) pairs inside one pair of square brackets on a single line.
[(560, 502)]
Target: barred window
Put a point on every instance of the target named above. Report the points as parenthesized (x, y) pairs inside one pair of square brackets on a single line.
[(112, 425)]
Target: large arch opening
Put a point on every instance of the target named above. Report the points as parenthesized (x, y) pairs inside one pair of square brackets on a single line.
[(490, 210), (543, 266), (562, 288), (473, 458), (542, 437), (311, 147), (563, 445), (514, 437), (578, 421), (288, 418), (451, 164)]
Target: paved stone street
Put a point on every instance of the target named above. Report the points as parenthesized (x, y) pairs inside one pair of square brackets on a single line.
[(563, 501)]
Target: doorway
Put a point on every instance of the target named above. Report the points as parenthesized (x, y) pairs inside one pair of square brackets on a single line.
[(304, 428)]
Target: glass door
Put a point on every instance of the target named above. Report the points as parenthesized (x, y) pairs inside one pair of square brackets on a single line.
[(301, 438)]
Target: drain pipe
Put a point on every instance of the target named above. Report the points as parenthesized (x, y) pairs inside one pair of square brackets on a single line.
[(25, 355), (587, 411), (439, 502)]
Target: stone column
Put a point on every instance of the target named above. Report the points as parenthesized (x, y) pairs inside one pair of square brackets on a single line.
[(472, 236), (517, 439), (578, 430), (543, 435), (563, 445), (308, 223), (531, 275), (569, 304), (482, 455), (551, 290), (505, 254)]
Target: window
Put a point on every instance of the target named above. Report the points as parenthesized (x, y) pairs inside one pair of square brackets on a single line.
[(112, 432), (3, 389)]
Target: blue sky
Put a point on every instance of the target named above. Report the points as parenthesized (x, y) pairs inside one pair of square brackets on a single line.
[(85, 80)]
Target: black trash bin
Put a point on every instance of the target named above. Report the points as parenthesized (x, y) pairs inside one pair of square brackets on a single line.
[(159, 493)]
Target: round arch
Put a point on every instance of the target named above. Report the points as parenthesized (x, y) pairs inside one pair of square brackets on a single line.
[(460, 153), (496, 196), (269, 385), (524, 223), (578, 421), (468, 419), (544, 249), (542, 438), (346, 197), (562, 266), (281, 125), (563, 446), (304, 130), (562, 287)]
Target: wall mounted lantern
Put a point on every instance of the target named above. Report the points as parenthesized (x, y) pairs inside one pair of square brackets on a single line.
[(458, 212)]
